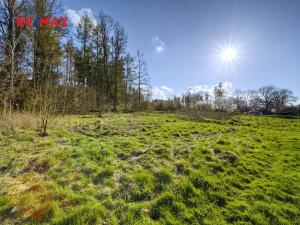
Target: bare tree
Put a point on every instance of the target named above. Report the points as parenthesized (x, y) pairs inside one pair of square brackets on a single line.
[(118, 41), (69, 69), (265, 97), (97, 63), (220, 95), (142, 76), (48, 88), (105, 24), (282, 97), (238, 99), (129, 77)]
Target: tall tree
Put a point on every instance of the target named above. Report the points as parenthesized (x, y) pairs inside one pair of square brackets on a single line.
[(97, 64), (46, 58), (12, 49), (118, 42), (105, 24), (142, 76), (48, 92), (68, 79), (129, 77), (39, 35), (238, 99), (265, 97), (282, 97), (84, 62), (219, 93)]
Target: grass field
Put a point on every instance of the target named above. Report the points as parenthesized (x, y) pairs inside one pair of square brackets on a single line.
[(152, 168)]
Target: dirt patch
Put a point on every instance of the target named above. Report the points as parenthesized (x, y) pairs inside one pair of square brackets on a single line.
[(137, 155), (225, 156), (138, 152), (34, 166)]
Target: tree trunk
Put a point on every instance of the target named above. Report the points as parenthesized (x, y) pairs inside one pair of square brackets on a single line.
[(116, 86)]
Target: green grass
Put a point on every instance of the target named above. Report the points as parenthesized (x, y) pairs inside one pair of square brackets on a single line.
[(152, 168)]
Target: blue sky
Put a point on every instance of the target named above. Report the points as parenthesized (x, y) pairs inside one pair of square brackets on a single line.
[(180, 39)]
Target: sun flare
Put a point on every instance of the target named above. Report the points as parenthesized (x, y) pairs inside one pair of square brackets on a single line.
[(228, 54)]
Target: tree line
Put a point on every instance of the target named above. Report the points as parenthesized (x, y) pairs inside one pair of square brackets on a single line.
[(52, 70), (265, 100)]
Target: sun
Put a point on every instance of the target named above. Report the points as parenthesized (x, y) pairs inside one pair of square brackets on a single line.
[(229, 55)]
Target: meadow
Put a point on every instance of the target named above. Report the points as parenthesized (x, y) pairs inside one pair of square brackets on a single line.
[(151, 168)]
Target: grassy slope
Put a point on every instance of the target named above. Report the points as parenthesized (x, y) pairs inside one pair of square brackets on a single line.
[(152, 169)]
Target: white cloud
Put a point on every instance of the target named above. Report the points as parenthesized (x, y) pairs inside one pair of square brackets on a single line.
[(159, 49), (166, 88), (163, 92), (200, 88), (228, 87), (156, 38), (75, 15), (160, 45), (210, 88)]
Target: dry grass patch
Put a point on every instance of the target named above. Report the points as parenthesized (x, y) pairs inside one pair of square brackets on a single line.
[(29, 197), (19, 121)]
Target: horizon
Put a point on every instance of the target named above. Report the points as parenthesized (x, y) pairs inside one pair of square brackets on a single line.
[(180, 41)]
